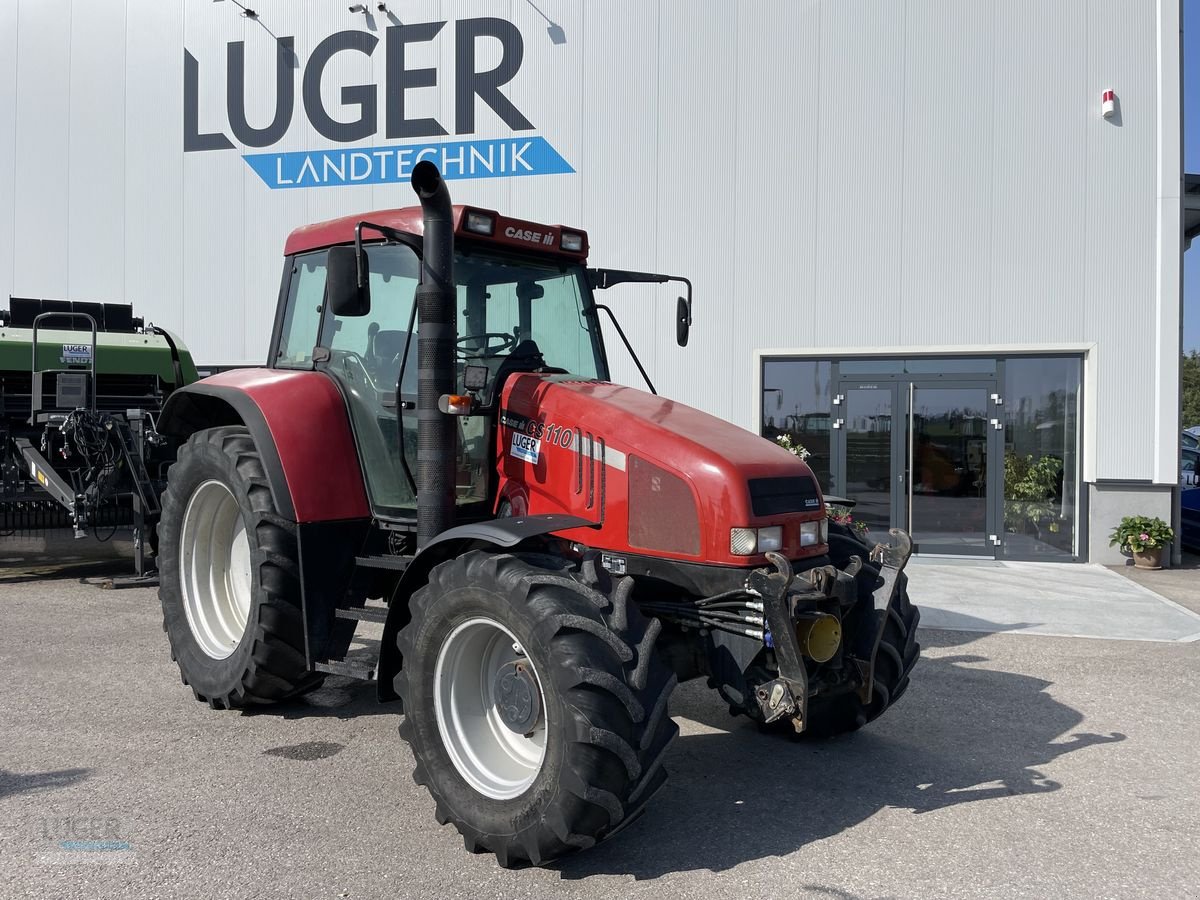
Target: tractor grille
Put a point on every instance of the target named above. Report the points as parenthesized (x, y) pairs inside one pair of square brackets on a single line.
[(662, 510), (773, 496)]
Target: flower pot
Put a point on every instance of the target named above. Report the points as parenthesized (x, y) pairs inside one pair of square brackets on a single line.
[(1150, 558)]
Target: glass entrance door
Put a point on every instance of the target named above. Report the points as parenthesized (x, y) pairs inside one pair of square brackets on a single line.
[(949, 432), (917, 454)]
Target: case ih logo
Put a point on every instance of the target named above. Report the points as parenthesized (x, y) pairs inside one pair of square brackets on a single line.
[(524, 234), (377, 108)]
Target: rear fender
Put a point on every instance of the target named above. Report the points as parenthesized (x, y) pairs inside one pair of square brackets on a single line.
[(302, 430), (496, 535)]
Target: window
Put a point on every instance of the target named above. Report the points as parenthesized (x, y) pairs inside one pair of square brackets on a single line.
[(365, 353), (375, 343), (502, 304), (1041, 456), (919, 365), (302, 316), (796, 402)]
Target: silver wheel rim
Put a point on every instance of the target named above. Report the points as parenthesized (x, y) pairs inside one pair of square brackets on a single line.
[(214, 569), (493, 759)]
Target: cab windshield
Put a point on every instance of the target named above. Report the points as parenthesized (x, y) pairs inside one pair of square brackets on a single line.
[(504, 304)]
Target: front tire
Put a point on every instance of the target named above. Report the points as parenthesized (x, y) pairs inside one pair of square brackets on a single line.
[(592, 693), (898, 648), (229, 576)]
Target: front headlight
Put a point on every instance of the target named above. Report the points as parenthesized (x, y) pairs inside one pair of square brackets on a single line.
[(770, 538), (811, 533), (749, 541), (743, 541)]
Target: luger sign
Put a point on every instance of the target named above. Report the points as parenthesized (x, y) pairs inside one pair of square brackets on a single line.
[(377, 109)]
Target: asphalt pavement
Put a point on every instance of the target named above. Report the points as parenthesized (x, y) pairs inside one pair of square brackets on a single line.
[(1016, 766)]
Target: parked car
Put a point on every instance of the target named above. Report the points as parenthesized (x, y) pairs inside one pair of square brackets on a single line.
[(1189, 481)]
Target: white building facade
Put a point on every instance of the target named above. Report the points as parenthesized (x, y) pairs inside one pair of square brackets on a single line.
[(918, 245)]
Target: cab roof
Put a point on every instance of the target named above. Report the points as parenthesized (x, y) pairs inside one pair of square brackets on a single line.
[(504, 231)]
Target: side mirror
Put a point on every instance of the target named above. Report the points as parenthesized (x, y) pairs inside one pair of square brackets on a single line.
[(347, 285), (683, 322)]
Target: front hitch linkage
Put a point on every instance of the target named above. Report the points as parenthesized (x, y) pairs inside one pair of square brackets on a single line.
[(786, 695)]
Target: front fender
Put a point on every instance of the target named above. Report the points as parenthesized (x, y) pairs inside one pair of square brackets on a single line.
[(494, 534)]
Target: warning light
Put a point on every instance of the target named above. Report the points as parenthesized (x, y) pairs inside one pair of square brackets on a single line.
[(1108, 104), (455, 404)]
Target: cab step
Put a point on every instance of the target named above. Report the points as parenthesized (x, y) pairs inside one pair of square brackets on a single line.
[(349, 670), (395, 563), (363, 614)]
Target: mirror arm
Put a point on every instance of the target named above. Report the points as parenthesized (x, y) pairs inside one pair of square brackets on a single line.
[(603, 279), (413, 242), (628, 346)]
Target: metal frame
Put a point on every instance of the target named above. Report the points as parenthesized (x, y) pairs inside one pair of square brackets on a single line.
[(35, 397), (902, 434), (994, 447)]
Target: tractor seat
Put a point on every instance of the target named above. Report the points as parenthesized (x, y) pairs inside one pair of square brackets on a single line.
[(525, 357), (384, 361)]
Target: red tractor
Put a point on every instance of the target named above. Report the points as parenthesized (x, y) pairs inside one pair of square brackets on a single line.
[(435, 430)]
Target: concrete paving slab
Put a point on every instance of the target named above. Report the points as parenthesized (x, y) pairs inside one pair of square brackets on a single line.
[(1056, 599), (1178, 583)]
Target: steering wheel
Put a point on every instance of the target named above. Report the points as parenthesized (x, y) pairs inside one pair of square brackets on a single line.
[(506, 342)]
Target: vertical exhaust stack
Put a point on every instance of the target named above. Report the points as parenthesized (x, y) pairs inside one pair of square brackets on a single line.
[(436, 338)]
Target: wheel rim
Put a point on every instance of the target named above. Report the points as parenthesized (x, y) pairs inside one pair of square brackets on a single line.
[(495, 760), (214, 569)]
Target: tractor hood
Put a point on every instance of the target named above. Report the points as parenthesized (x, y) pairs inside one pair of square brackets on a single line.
[(662, 476)]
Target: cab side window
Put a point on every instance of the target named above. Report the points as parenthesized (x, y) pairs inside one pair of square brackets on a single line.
[(302, 316)]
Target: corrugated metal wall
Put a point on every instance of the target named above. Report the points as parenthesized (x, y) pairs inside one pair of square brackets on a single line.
[(845, 173)]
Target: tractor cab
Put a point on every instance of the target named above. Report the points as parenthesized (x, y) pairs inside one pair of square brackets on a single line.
[(524, 303)]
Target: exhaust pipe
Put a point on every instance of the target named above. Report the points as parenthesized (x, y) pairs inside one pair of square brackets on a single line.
[(436, 336)]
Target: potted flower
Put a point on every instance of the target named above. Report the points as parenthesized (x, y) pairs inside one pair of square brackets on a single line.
[(1144, 537), (843, 516)]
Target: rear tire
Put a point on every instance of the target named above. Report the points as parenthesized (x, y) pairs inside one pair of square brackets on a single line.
[(229, 576), (601, 686)]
